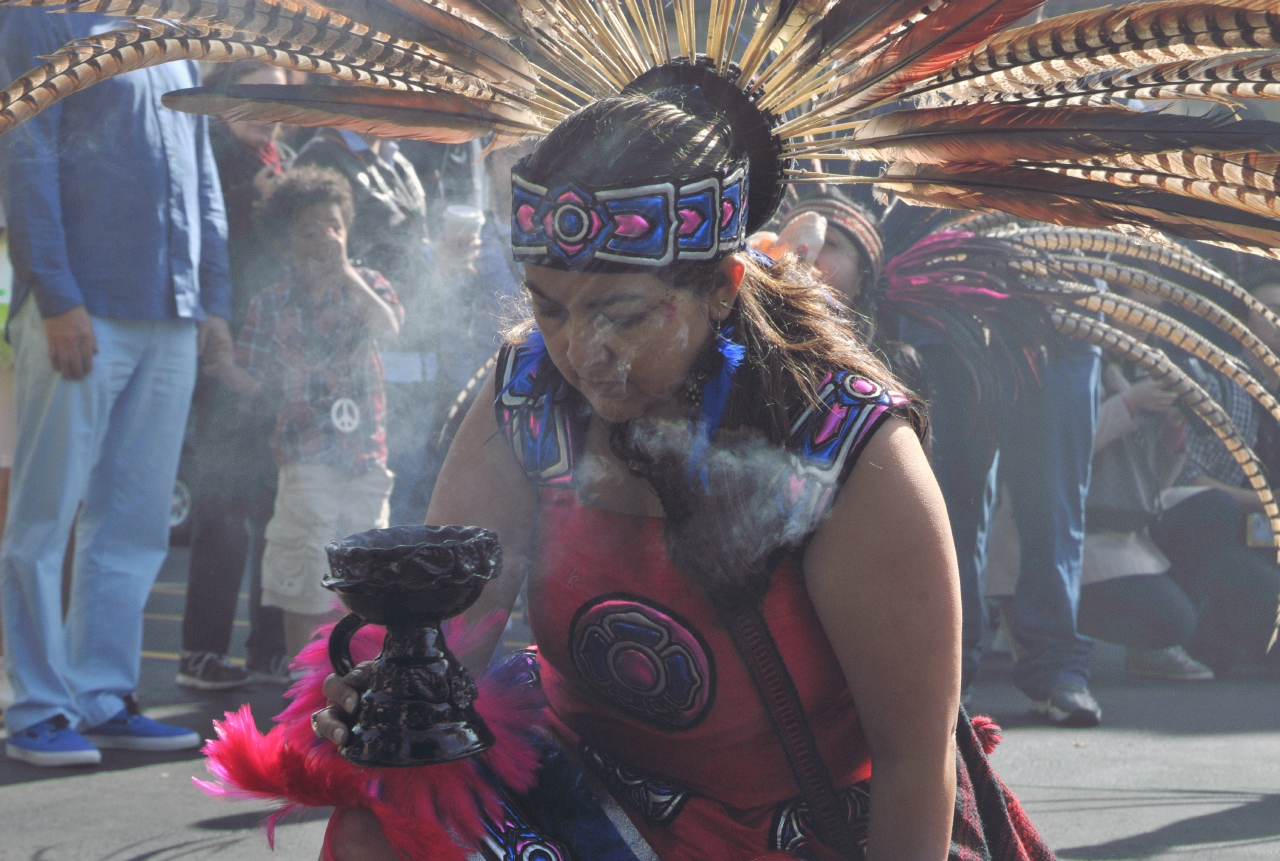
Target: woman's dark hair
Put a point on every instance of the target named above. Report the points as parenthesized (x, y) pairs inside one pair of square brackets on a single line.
[(795, 329), (299, 189)]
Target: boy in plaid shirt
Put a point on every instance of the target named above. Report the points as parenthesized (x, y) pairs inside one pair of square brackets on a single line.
[(310, 344)]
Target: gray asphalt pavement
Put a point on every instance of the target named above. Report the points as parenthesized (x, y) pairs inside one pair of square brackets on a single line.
[(1177, 771)]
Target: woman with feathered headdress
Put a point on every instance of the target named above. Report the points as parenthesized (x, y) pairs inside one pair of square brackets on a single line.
[(741, 581)]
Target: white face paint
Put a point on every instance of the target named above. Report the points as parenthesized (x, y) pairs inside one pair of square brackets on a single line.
[(625, 341)]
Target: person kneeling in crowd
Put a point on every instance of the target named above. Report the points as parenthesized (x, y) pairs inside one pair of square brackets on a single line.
[(310, 343), (1131, 595)]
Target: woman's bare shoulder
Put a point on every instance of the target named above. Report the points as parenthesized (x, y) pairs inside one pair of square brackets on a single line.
[(890, 506)]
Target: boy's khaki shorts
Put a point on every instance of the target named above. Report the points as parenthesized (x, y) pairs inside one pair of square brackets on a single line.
[(315, 504)]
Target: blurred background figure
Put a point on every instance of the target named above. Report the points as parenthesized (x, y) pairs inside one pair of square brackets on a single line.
[(389, 228), (118, 241), (843, 242), (309, 347), (389, 234), (840, 239), (1032, 431), (235, 477), (1131, 595), (1045, 437), (1202, 530), (447, 320)]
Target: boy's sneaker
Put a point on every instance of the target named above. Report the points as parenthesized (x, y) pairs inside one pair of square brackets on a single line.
[(130, 730), (209, 671), (1069, 704), (1169, 665), (273, 672), (51, 742)]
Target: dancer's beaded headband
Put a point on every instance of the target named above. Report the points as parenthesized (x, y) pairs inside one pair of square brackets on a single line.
[(667, 220), (651, 225)]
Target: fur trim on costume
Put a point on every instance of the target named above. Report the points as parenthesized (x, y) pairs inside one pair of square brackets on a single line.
[(435, 814)]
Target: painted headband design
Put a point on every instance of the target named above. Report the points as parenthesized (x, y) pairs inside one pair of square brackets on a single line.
[(650, 225)]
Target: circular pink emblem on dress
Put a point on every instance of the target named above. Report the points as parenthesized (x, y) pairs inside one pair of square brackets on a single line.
[(644, 660)]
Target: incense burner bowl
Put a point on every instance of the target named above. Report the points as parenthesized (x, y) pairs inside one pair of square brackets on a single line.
[(419, 706)]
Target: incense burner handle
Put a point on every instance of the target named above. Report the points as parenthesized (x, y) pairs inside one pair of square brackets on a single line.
[(340, 643)]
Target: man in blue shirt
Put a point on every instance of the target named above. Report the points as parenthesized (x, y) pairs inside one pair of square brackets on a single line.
[(118, 243)]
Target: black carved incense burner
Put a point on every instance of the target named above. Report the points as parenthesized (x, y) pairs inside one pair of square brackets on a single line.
[(418, 707)]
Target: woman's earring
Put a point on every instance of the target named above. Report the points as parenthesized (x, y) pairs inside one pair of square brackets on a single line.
[(694, 384), (698, 375)]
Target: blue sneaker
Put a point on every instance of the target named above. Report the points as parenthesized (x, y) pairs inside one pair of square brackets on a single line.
[(129, 730), (51, 742)]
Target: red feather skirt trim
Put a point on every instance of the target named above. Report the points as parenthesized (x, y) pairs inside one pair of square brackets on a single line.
[(441, 819)]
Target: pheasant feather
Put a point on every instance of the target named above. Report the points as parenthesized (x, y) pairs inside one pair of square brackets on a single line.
[(85, 62), (1263, 203), (302, 27), (1132, 36), (1115, 246), (1219, 79), (1001, 133), (1118, 276), (1139, 316), (928, 46), (440, 117), (1043, 196)]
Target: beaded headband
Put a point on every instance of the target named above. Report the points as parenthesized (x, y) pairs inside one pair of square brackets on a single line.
[(657, 224), (856, 223)]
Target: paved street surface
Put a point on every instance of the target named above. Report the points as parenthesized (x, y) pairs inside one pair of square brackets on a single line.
[(1186, 771)]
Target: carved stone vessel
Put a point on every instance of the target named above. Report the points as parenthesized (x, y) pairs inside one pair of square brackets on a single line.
[(418, 709)]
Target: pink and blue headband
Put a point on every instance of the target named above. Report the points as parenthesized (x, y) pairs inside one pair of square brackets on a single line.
[(658, 224)]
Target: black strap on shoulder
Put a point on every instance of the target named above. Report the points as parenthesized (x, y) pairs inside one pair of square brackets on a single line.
[(759, 651)]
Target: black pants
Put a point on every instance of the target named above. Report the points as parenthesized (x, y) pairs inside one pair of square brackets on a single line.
[(227, 532), (1145, 612), (1233, 589)]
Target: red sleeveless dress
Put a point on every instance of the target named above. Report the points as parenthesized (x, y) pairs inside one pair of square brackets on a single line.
[(638, 672), (641, 682)]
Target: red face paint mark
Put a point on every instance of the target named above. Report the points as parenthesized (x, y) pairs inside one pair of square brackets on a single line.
[(668, 309)]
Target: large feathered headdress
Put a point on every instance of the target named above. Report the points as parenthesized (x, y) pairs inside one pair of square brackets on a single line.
[(1050, 121)]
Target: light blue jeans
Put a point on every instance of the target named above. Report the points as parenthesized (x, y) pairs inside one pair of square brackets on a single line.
[(111, 441)]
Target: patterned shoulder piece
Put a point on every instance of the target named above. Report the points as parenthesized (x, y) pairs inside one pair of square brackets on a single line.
[(828, 438), (534, 410)]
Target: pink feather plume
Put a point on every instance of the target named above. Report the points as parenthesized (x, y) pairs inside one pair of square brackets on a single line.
[(427, 815)]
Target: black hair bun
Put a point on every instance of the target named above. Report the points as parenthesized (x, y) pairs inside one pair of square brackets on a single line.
[(699, 90)]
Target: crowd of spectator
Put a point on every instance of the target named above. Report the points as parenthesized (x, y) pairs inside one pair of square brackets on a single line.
[(308, 308), (298, 309)]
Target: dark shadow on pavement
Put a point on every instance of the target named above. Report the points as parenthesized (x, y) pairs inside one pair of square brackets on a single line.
[(1257, 821), (253, 819), (150, 850)]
